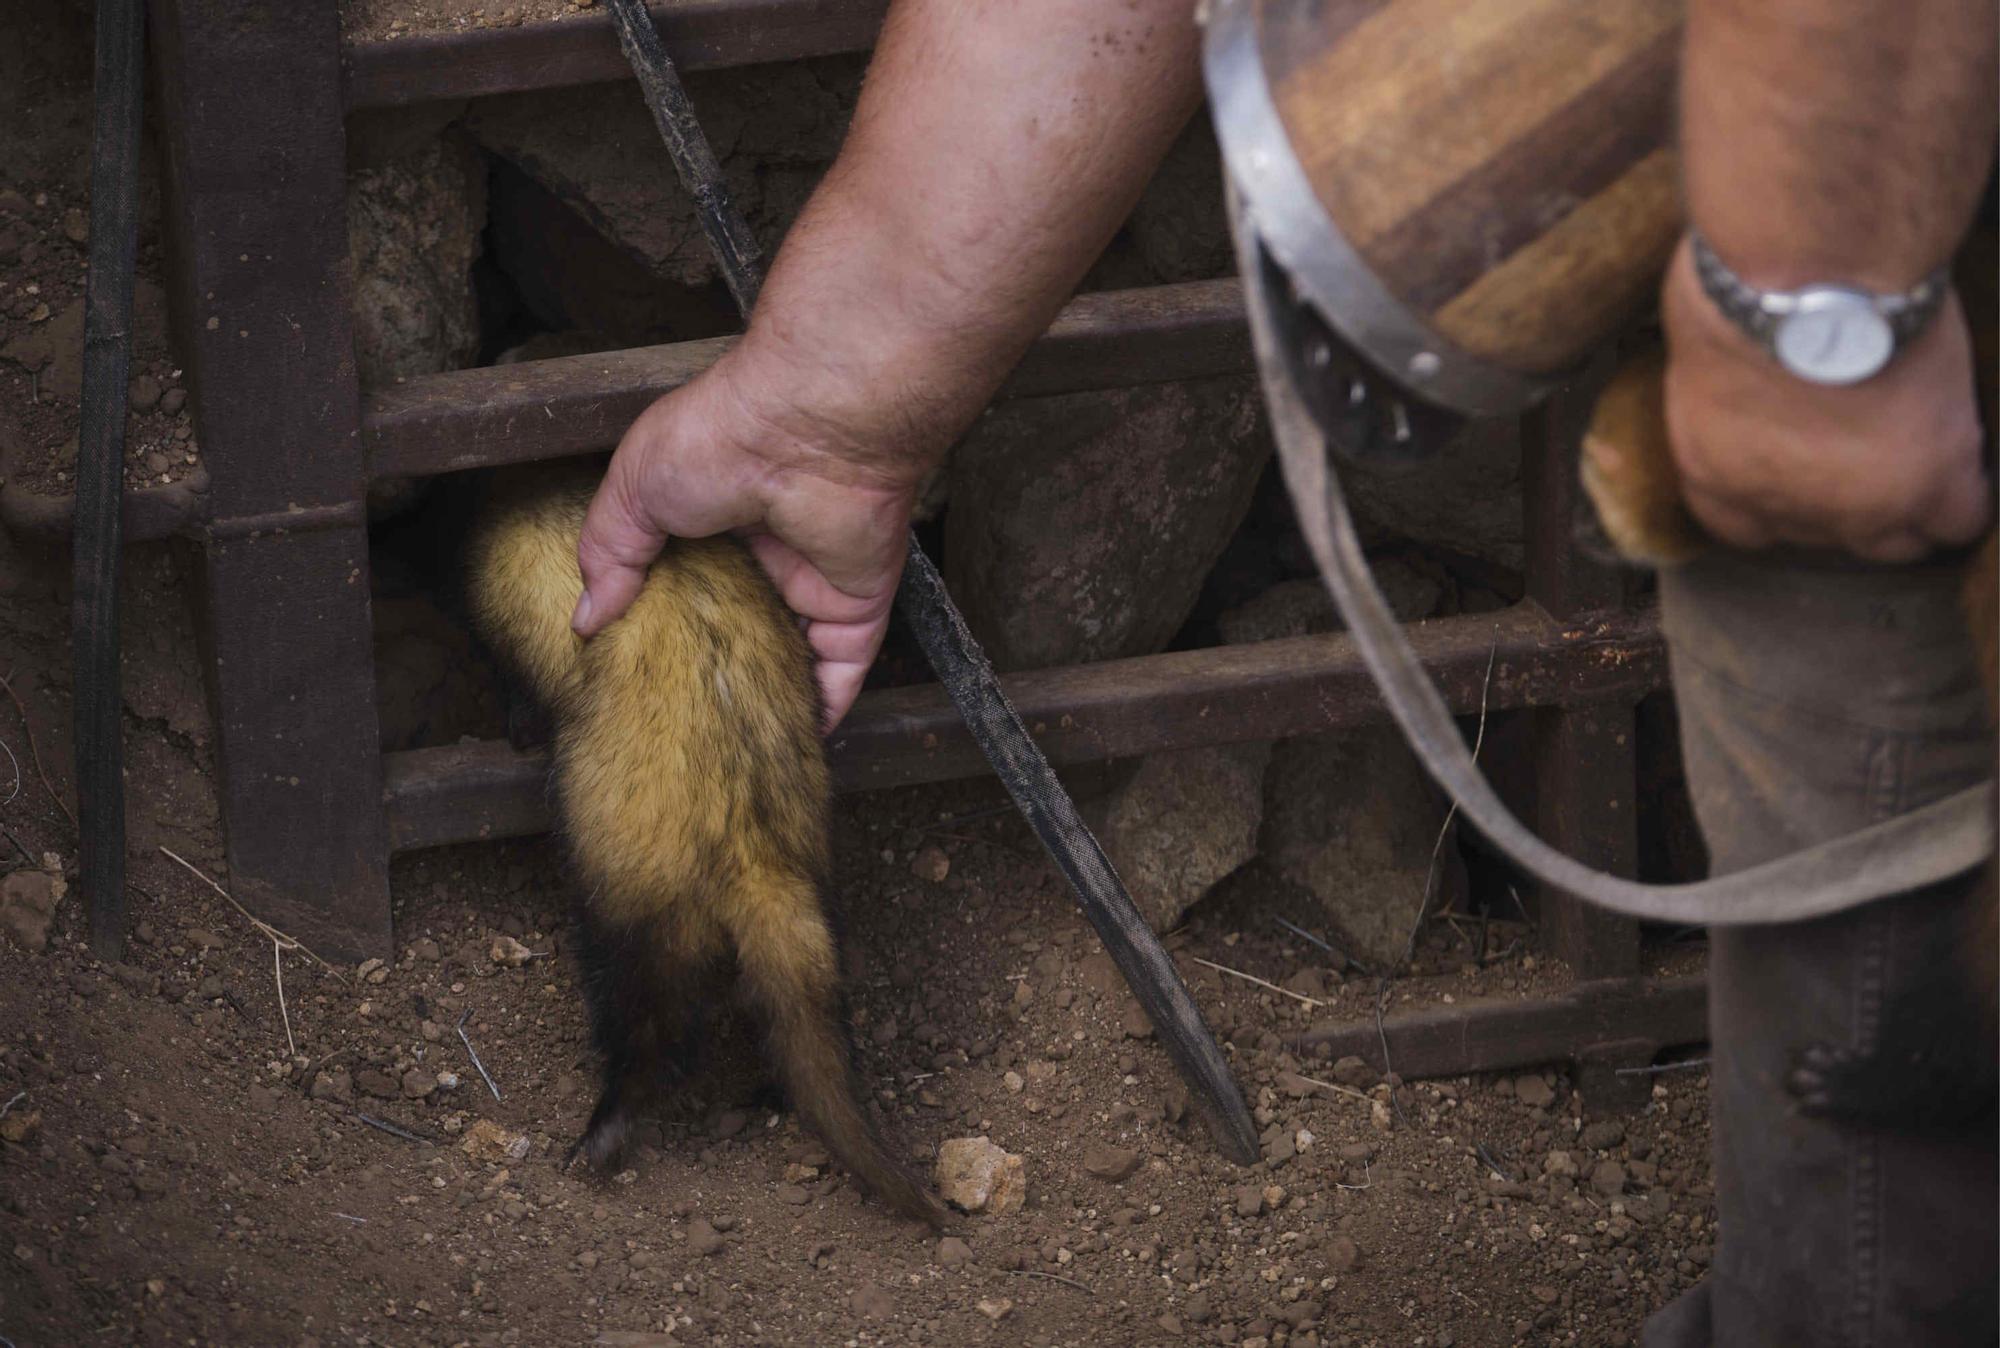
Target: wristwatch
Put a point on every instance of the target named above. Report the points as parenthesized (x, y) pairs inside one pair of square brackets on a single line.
[(1825, 334)]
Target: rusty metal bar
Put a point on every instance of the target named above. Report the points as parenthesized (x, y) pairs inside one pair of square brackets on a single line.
[(1640, 1016), (699, 35), (1586, 768), (255, 180), (575, 404), (1114, 709)]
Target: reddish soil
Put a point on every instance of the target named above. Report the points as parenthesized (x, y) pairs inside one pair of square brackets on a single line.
[(173, 1173)]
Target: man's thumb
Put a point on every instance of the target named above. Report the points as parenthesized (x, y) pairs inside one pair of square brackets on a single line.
[(616, 547)]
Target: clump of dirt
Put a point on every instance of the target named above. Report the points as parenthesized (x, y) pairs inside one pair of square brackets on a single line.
[(375, 20)]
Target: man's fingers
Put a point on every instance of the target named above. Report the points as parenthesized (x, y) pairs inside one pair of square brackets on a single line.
[(842, 654), (617, 545)]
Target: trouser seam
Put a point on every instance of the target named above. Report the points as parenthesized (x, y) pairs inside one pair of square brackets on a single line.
[(1888, 780)]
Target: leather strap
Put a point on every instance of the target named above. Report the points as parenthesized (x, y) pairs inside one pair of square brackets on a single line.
[(1927, 845)]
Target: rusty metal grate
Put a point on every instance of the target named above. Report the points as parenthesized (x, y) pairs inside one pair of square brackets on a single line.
[(255, 165)]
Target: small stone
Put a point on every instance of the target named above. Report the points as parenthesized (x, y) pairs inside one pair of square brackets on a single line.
[(703, 1238), (1380, 1117), (20, 1125), (27, 903), (729, 1123), (1353, 1071), (1013, 1082), (931, 864), (508, 952), (792, 1194), (1135, 1024), (1602, 1135), (1112, 1164), (156, 463), (1196, 1308), (149, 1183), (173, 400), (335, 1085), (1559, 1163), (975, 1175), (418, 1083), (486, 1140), (1608, 1178), (1533, 1092), (75, 225), (201, 937), (431, 1031), (872, 1302), (368, 969), (1343, 1255), (1249, 1202), (1358, 1153), (378, 1083), (1296, 1086), (995, 1309), (953, 1252), (144, 393)]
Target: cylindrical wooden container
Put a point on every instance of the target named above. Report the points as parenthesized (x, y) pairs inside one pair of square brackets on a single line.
[(1474, 193)]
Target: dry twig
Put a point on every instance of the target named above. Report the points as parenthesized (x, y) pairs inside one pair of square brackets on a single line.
[(17, 773), (1252, 978), (390, 1128), (1430, 883), (1052, 1277), (280, 943), (1335, 1086), (35, 754), (483, 1076)]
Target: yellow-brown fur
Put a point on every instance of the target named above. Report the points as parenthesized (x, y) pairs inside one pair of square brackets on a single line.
[(692, 788)]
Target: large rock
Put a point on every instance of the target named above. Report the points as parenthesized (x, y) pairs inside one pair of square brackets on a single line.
[(1466, 500), (1181, 822), (27, 903), (1080, 527), (975, 1174), (774, 128), (416, 206), (1351, 816)]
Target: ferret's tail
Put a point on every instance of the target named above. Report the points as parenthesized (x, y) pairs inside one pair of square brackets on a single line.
[(790, 970)]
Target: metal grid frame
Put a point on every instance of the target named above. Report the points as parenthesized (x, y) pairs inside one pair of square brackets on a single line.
[(255, 169)]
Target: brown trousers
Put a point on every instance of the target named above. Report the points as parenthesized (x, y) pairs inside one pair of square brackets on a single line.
[(1854, 1068)]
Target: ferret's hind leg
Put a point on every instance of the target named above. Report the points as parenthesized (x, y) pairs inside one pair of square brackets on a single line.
[(645, 996)]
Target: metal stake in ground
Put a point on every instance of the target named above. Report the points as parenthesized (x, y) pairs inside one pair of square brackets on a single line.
[(100, 473), (962, 666)]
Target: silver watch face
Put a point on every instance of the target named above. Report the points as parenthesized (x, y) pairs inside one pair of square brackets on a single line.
[(1833, 336)]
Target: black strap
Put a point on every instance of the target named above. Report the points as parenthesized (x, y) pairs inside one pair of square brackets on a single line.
[(100, 473), (963, 668)]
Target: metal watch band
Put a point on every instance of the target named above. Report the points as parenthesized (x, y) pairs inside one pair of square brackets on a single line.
[(1758, 312)]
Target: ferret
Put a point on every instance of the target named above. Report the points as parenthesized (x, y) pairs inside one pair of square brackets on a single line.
[(692, 790)]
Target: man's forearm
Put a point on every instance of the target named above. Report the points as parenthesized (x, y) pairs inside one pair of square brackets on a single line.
[(996, 148), (1837, 140)]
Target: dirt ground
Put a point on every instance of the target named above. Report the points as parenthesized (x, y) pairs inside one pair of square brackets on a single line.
[(185, 1160), (173, 1172)]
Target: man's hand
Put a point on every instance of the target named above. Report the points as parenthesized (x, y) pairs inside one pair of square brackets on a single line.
[(995, 149), (728, 452), (1888, 469)]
